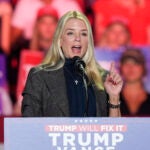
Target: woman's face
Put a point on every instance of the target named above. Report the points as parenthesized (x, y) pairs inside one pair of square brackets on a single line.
[(74, 40), (132, 71)]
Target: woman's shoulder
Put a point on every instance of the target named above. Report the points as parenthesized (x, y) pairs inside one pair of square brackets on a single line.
[(35, 70), (42, 70)]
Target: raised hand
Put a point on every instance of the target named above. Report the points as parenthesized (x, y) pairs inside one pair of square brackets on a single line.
[(113, 83)]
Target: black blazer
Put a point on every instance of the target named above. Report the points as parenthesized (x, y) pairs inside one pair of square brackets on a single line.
[(45, 95)]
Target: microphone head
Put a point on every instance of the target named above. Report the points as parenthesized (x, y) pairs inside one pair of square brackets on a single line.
[(79, 65)]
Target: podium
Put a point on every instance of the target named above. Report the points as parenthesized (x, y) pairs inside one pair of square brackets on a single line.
[(76, 133)]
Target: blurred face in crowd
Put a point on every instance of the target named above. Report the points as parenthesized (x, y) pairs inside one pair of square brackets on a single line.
[(74, 39), (132, 71), (117, 35), (46, 27)]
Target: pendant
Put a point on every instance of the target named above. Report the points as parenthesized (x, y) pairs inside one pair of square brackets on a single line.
[(76, 82)]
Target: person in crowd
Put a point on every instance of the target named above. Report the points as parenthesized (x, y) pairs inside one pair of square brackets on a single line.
[(70, 82), (135, 13), (6, 107), (113, 42), (25, 13), (116, 35), (47, 18), (134, 98), (5, 26), (46, 21)]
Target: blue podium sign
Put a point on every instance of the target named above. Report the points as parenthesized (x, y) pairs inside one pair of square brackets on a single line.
[(76, 133)]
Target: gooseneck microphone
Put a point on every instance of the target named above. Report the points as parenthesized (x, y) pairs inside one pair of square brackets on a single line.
[(80, 68), (79, 65)]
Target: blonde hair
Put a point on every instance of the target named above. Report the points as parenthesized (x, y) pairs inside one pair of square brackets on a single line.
[(55, 58)]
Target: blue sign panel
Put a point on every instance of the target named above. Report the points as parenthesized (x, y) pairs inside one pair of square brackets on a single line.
[(76, 133)]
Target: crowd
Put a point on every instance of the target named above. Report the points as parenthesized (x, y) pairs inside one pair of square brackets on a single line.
[(121, 32)]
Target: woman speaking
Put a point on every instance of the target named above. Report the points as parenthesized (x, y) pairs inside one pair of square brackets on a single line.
[(69, 82)]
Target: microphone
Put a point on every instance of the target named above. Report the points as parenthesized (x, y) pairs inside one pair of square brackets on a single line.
[(79, 65)]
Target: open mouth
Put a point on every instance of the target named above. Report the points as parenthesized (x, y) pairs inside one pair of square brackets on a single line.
[(76, 49)]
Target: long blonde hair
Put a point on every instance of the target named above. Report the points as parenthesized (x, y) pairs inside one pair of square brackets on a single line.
[(55, 58)]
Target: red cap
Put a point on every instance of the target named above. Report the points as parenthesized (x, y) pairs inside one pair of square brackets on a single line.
[(47, 10)]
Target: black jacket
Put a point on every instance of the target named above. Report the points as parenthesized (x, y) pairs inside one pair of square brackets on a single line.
[(45, 95)]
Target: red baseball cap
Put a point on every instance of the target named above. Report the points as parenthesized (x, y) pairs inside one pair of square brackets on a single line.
[(47, 10)]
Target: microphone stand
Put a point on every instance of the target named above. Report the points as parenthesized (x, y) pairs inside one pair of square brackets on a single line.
[(86, 95)]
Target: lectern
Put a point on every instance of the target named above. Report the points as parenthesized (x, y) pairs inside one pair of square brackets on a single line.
[(76, 133)]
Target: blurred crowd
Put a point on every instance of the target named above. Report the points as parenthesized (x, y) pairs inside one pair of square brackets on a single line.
[(121, 30)]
